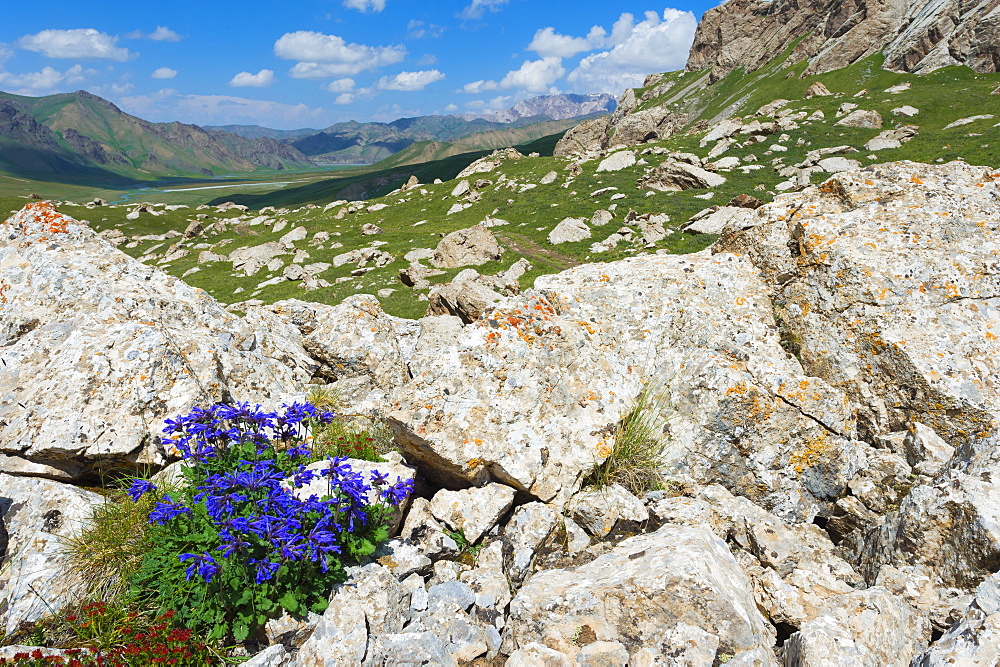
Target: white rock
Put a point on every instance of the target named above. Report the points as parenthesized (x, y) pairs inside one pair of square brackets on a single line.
[(834, 165), (569, 231), (967, 121), (642, 590), (79, 314), (600, 510), (472, 511), (38, 515), (861, 118), (617, 161)]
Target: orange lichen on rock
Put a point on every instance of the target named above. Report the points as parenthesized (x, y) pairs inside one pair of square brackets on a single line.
[(46, 215)]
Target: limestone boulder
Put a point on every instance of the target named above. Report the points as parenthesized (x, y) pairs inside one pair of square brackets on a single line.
[(467, 296), (639, 595), (252, 259), (879, 304), (679, 176), (588, 136), (467, 247), (472, 511), (569, 231), (98, 349), (355, 346), (871, 120), (530, 395), (715, 219), (37, 516), (870, 627), (817, 89), (617, 161), (658, 122), (370, 605)]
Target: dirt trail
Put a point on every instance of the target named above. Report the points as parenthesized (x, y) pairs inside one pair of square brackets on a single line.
[(523, 245)]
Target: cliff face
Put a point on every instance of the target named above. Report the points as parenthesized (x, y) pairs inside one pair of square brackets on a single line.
[(914, 36)]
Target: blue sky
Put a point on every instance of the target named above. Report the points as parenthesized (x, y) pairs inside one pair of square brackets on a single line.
[(311, 63)]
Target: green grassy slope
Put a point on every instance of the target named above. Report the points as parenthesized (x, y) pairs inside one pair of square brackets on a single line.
[(513, 191)]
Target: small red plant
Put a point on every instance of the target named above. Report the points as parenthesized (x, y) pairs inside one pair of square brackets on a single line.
[(139, 644)]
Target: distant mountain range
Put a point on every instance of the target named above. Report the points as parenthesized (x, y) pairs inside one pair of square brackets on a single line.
[(84, 139), (79, 137), (366, 143), (551, 107)]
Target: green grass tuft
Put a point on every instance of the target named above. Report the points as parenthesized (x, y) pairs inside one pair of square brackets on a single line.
[(639, 442)]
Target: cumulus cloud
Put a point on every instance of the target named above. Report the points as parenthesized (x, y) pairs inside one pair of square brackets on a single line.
[(477, 87), (653, 45), (365, 5), (48, 80), (261, 79), (168, 105), (321, 55), (478, 7), (161, 34), (5, 53), (451, 108), (76, 43), (534, 76), (344, 98), (549, 44), (340, 85), (409, 81), (163, 73), (419, 30)]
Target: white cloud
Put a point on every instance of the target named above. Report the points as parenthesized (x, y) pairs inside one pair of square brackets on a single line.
[(48, 80), (344, 98), (653, 45), (340, 85), (168, 105), (451, 108), (161, 34), (163, 73), (5, 53), (418, 30), (476, 9), (534, 76), (261, 79), (113, 89), (409, 81), (477, 87), (365, 5), (549, 44), (322, 55), (497, 103), (76, 43)]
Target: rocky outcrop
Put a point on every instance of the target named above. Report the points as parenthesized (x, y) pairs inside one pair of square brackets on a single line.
[(98, 349), (37, 517), (473, 246), (638, 596), (913, 36), (824, 382)]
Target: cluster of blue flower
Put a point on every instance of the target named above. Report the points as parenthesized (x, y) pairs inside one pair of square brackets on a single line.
[(246, 465)]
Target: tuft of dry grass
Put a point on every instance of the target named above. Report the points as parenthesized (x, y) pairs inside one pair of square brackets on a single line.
[(639, 442), (111, 546)]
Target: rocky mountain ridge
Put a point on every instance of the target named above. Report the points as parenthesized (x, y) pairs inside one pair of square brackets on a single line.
[(914, 36), (827, 368)]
